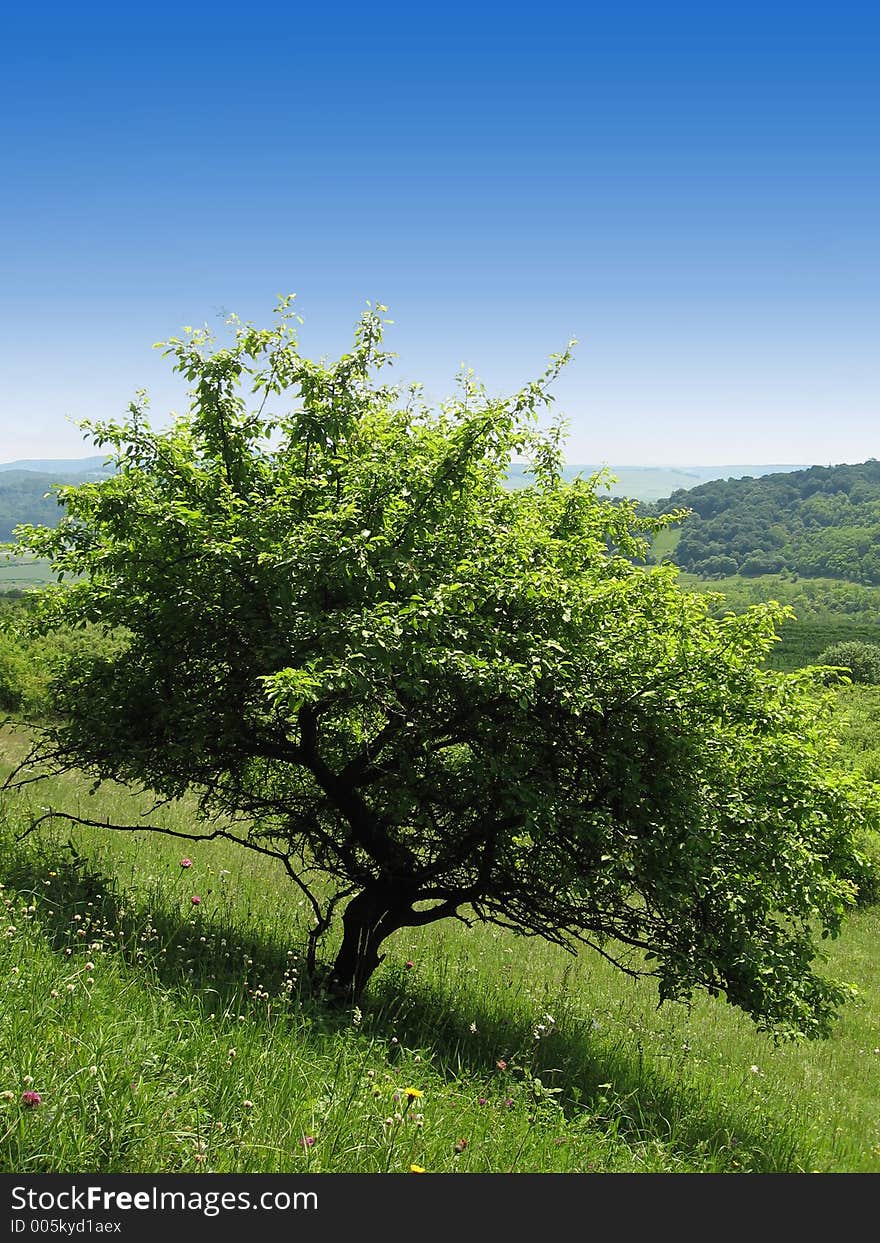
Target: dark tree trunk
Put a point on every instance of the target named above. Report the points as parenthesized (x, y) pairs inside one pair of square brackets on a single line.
[(367, 920)]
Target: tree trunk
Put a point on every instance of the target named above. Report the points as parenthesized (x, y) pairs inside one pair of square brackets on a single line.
[(367, 920)]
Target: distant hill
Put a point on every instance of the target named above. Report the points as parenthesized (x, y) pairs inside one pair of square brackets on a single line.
[(823, 521), (24, 484), (25, 496), (84, 466), (652, 483)]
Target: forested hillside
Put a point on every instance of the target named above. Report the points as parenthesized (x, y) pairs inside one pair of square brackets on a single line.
[(25, 494), (23, 498), (820, 522)]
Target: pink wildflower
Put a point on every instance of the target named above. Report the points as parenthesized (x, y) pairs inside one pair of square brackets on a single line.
[(196, 900), (186, 863), (31, 1099), (308, 1141)]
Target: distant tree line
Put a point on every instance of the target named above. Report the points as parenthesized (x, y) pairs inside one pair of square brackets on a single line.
[(820, 522)]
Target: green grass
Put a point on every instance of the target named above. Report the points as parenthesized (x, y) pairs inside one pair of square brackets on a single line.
[(826, 611), (665, 544), (859, 727), (163, 1036)]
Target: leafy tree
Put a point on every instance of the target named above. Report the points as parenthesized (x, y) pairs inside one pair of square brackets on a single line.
[(861, 660), (436, 696)]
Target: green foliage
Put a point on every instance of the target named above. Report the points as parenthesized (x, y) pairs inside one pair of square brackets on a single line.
[(824, 521), (370, 658), (861, 660), (15, 675), (32, 664), (820, 600), (858, 711)]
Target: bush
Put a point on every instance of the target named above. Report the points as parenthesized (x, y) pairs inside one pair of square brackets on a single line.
[(862, 660)]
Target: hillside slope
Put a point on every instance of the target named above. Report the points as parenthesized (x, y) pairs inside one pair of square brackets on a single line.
[(819, 522), (25, 495)]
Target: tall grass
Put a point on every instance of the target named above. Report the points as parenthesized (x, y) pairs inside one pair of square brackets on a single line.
[(162, 1035)]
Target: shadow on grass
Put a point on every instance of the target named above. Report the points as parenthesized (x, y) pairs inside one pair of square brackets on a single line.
[(574, 1072)]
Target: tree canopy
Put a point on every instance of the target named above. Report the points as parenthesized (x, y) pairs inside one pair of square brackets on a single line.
[(430, 695)]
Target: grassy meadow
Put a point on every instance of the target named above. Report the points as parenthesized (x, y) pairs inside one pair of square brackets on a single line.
[(163, 1035)]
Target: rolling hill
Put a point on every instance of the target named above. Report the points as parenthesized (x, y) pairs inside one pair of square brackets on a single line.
[(820, 522)]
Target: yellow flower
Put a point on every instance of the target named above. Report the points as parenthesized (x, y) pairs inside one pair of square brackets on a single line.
[(413, 1093), (417, 1169)]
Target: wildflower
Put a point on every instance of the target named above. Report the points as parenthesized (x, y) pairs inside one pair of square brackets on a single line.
[(417, 1169), (7, 1096), (482, 1101), (31, 1099), (473, 1029), (308, 1141), (196, 900), (501, 1064), (413, 1093), (90, 966), (409, 964), (508, 1104), (755, 1070), (247, 1104), (186, 863), (460, 1145)]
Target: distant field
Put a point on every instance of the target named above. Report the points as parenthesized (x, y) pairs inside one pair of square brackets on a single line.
[(803, 642), (813, 599), (665, 543), (827, 611), (18, 573)]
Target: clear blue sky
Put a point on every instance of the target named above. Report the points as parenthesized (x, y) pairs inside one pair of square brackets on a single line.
[(693, 190)]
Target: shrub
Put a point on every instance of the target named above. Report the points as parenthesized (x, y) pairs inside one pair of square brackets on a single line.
[(862, 660)]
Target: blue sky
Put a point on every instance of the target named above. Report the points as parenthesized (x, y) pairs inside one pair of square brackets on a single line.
[(691, 190)]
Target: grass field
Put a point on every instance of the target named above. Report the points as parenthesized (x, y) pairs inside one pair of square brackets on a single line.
[(165, 1036)]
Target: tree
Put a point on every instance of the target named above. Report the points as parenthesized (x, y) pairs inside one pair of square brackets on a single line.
[(430, 695), (860, 660)]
